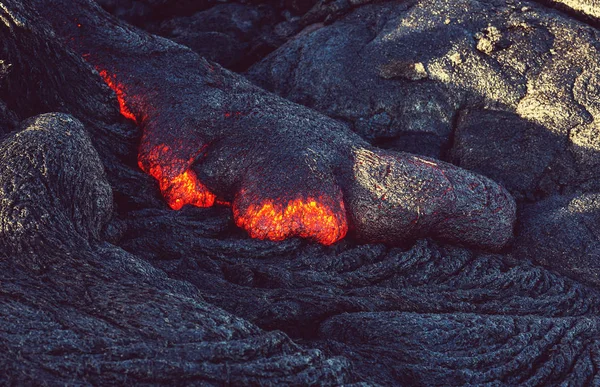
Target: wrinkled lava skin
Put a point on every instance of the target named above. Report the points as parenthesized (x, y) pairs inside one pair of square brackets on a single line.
[(287, 170)]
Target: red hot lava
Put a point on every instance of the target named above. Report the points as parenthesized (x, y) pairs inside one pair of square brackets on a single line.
[(119, 91), (178, 184), (307, 218), (270, 219)]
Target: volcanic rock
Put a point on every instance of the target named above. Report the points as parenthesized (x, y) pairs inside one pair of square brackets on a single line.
[(103, 283)]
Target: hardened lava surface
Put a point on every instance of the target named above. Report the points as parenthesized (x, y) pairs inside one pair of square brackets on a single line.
[(103, 282), (209, 136)]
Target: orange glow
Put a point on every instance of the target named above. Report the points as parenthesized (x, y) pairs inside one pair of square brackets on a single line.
[(186, 189), (275, 220), (178, 185), (119, 91), (304, 218), (223, 202)]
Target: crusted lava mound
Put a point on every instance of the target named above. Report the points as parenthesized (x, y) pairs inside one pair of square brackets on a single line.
[(163, 220), (286, 170)]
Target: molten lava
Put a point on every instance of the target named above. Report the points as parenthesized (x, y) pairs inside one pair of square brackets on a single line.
[(186, 189), (304, 218), (119, 91), (178, 184)]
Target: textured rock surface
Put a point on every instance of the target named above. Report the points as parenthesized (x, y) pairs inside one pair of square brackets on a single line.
[(234, 34), (128, 291), (75, 307), (8, 120), (562, 232), (507, 89), (588, 10), (509, 348), (518, 58), (286, 170)]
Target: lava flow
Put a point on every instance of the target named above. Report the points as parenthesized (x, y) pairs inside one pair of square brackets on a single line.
[(119, 91), (179, 186), (304, 218)]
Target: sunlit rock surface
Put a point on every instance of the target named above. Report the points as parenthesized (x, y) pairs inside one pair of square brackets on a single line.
[(588, 10), (505, 89)]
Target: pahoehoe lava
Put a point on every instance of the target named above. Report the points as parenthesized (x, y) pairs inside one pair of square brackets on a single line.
[(286, 170), (165, 221)]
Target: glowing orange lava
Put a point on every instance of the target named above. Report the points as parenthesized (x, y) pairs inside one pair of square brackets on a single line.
[(186, 189), (178, 185), (304, 218), (119, 91)]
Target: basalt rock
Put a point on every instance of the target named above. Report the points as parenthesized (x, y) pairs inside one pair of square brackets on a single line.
[(560, 232), (586, 10), (506, 89), (286, 170), (472, 74), (74, 307), (233, 35), (419, 358), (119, 288)]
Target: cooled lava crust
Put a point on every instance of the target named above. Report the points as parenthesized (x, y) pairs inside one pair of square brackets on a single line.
[(210, 136)]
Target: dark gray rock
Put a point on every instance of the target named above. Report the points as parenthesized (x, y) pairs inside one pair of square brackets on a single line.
[(8, 119), (273, 159), (54, 191), (506, 89), (515, 152), (75, 308), (233, 35), (343, 70), (402, 74), (454, 310), (121, 291), (144, 11), (72, 87), (431, 349), (561, 233)]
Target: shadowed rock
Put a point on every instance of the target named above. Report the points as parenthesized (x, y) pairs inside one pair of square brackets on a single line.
[(505, 351), (561, 232), (93, 312)]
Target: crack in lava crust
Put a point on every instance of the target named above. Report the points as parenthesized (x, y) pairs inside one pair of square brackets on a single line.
[(178, 188), (307, 218), (119, 90)]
